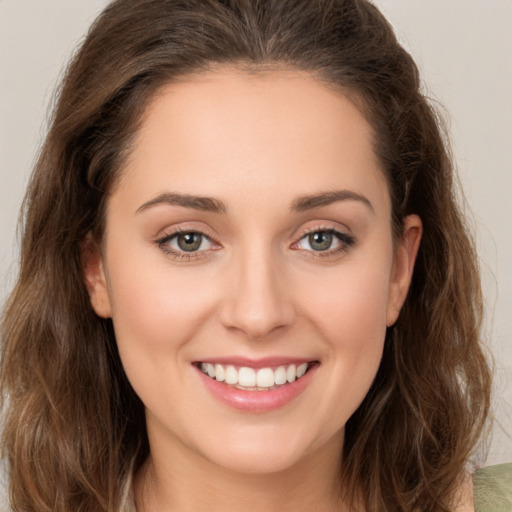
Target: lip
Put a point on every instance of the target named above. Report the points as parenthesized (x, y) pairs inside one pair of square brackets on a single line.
[(257, 401)]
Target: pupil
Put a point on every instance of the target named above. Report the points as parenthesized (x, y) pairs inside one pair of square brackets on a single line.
[(320, 241), (189, 241)]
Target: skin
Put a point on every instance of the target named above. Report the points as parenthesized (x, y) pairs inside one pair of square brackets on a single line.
[(256, 143)]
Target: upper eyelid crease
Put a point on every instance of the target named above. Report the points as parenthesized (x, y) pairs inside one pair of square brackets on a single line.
[(345, 239), (163, 240), (180, 230), (168, 236), (341, 235)]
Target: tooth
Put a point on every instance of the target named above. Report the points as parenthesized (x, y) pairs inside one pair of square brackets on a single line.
[(246, 377), (291, 373), (231, 375), (219, 372), (280, 376), (301, 370), (250, 378), (265, 378)]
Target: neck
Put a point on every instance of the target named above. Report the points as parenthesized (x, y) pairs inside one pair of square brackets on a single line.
[(185, 481)]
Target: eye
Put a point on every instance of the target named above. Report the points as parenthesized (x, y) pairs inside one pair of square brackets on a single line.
[(185, 243), (327, 241), (189, 242), (318, 241)]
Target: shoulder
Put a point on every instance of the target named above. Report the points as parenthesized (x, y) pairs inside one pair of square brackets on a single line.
[(463, 501), (492, 487)]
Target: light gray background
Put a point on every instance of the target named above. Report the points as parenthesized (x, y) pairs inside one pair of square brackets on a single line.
[(464, 50)]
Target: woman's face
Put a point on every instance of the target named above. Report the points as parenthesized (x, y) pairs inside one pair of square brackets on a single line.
[(250, 237)]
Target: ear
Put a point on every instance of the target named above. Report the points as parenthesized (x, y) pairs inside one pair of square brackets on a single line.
[(94, 276), (403, 266)]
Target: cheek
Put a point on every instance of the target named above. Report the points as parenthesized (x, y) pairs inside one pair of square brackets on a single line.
[(155, 311), (351, 308), (356, 333), (350, 315)]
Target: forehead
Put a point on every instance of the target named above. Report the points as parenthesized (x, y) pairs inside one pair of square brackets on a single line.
[(269, 134)]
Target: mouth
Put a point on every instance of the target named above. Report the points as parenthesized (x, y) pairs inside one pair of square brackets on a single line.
[(256, 386), (246, 378)]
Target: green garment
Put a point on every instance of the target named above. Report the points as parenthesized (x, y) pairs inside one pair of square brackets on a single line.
[(492, 487)]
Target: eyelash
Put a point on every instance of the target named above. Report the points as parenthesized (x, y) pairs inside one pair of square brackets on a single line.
[(163, 242), (345, 240), (345, 243)]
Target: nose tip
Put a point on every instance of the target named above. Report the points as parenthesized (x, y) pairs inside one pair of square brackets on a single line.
[(256, 322), (257, 302)]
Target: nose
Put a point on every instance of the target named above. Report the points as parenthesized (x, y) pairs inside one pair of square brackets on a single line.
[(257, 300)]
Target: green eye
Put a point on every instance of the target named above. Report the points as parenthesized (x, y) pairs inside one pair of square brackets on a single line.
[(320, 240), (189, 242), (186, 242), (325, 242)]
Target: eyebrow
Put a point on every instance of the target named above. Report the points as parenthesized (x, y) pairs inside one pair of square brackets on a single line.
[(326, 198), (205, 204), (212, 205)]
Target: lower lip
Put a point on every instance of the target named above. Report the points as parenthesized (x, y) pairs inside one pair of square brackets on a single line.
[(257, 401)]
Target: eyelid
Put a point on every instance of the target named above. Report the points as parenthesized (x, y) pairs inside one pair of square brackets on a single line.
[(195, 226), (345, 238), (168, 234), (332, 226)]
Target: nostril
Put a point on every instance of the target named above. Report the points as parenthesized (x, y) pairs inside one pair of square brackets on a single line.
[(257, 301)]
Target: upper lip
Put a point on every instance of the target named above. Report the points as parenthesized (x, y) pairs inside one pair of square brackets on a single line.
[(264, 362)]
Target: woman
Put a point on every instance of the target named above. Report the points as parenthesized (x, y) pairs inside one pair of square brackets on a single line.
[(244, 276)]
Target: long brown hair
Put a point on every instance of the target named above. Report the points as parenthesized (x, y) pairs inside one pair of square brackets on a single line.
[(74, 430)]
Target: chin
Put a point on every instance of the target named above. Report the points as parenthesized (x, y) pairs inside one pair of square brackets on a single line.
[(253, 461), (267, 451)]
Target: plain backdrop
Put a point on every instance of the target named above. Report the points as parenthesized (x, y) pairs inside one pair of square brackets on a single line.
[(464, 51)]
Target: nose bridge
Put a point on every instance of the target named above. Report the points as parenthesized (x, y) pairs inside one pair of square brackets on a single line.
[(257, 300)]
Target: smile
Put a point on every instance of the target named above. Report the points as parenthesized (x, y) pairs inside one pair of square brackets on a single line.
[(250, 379), (256, 386)]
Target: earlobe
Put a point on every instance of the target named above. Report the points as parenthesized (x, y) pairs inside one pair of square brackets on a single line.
[(403, 267), (94, 276)]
